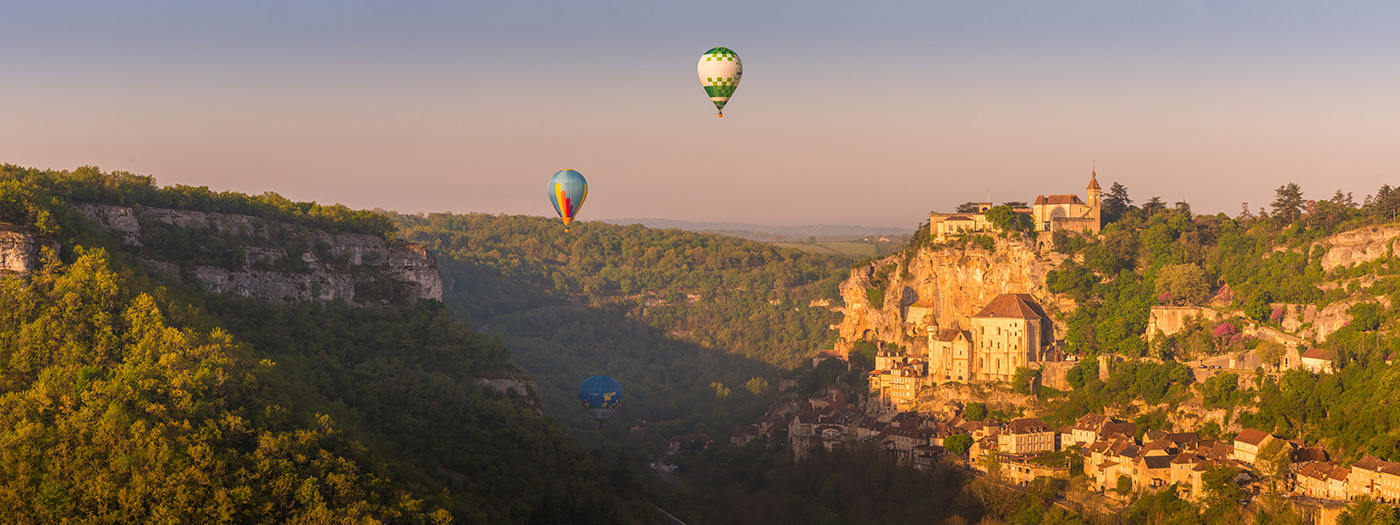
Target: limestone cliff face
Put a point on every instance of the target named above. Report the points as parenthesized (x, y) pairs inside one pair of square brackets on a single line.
[(331, 265), (947, 283), (1358, 246), (19, 250)]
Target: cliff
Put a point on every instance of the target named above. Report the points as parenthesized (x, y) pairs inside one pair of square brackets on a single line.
[(1358, 246), (943, 283), (252, 257)]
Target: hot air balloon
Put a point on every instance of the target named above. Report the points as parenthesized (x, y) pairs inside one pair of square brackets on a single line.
[(720, 70), (600, 396), (567, 189)]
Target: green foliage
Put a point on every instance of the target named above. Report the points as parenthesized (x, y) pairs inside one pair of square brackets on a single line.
[(975, 411), (957, 444), (89, 184), (1009, 221), (876, 296), (1182, 284), (723, 293), (1022, 379), (1366, 511), (1365, 317), (116, 414)]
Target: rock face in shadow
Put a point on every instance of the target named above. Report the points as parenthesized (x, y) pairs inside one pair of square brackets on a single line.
[(269, 260)]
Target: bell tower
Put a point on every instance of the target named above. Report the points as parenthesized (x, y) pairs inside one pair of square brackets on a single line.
[(1095, 194)]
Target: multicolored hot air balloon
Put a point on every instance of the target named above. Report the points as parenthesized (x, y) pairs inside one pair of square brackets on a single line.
[(567, 189), (600, 396), (720, 70)]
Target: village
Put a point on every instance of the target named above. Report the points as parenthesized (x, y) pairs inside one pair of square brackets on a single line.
[(1012, 339)]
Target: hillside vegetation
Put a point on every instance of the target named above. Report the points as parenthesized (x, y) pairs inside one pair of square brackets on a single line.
[(697, 327), (130, 396)]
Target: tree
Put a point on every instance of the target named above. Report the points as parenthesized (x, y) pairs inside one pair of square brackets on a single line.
[(1365, 317), (1288, 203), (1023, 378), (1218, 487), (969, 207), (1271, 353), (1006, 219), (958, 444), (1385, 204), (1116, 203), (975, 411), (1273, 462), (1124, 486), (1365, 511), (1154, 206), (1015, 204), (1182, 284)]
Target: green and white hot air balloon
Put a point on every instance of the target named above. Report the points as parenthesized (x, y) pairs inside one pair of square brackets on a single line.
[(720, 70)]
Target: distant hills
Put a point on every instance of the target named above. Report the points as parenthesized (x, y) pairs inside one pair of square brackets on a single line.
[(765, 233)]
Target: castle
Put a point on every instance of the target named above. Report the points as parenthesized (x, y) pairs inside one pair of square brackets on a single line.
[(1048, 213), (1012, 331)]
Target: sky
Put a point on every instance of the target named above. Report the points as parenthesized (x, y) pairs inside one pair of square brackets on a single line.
[(861, 113)]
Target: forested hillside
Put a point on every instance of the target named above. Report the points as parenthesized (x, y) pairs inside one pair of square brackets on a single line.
[(129, 395), (1258, 267), (698, 327)]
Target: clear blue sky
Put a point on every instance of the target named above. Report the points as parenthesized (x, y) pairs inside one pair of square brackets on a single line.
[(849, 113)]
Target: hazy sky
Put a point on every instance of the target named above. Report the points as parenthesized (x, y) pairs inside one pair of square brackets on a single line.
[(868, 113)]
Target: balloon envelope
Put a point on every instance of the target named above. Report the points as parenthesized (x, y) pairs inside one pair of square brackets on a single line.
[(567, 190), (720, 70), (600, 395)]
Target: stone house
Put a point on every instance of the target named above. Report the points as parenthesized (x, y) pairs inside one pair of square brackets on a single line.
[(1248, 443), (1026, 436), (1318, 361), (1093, 427)]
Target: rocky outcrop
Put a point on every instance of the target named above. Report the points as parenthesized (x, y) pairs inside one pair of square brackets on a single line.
[(1359, 246), (948, 282), (332, 264), (19, 250)]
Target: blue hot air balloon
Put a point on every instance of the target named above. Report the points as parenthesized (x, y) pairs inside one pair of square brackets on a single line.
[(600, 396), (567, 190)]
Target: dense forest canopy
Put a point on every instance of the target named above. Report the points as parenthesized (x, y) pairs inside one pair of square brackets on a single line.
[(129, 395), (698, 327), (32, 197)]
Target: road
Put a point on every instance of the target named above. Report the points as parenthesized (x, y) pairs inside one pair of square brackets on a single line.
[(658, 466)]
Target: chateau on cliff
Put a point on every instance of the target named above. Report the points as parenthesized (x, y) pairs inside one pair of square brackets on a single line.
[(1049, 213), (1010, 332)]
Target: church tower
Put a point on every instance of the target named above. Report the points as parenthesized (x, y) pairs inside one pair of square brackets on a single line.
[(1095, 203)]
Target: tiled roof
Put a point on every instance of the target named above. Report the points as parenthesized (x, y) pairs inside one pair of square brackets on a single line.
[(1156, 462), (1251, 436), (1058, 199), (947, 334), (1318, 353), (1028, 425), (1013, 305)]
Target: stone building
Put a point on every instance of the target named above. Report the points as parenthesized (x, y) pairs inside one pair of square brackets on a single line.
[(1012, 331), (1067, 212), (1048, 212)]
